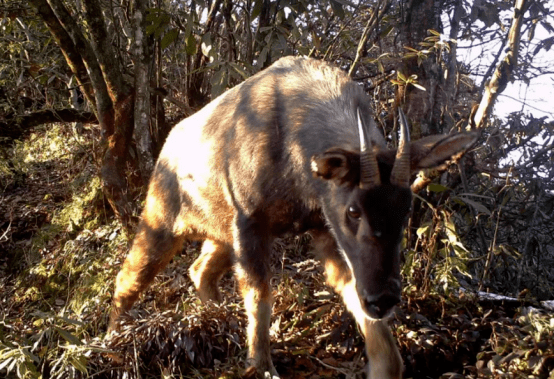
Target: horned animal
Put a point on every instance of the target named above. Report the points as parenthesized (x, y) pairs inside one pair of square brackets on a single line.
[(295, 149)]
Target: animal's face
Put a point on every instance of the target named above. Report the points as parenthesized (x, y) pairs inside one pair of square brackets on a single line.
[(368, 226), (367, 208), (367, 202)]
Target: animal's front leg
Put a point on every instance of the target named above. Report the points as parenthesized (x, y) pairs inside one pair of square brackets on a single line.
[(384, 359), (252, 248)]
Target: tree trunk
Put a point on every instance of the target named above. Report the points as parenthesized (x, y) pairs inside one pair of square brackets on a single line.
[(69, 48), (113, 98), (195, 96), (422, 107), (143, 136), (115, 157), (119, 129), (259, 40)]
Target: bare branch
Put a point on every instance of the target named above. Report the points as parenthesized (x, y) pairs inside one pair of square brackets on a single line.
[(64, 41), (504, 71), (105, 52), (378, 13), (18, 126)]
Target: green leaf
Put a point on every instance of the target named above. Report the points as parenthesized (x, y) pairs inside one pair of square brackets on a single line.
[(256, 10), (282, 41), (476, 205), (385, 32), (434, 187), (380, 67), (219, 82), (190, 23), (169, 37), (316, 40), (295, 32), (263, 56), (506, 198), (158, 32), (150, 29), (80, 363), (68, 336), (422, 230), (190, 46), (418, 86), (152, 14), (337, 8), (71, 321), (240, 70)]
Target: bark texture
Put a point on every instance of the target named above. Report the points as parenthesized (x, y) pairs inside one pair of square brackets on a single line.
[(143, 136), (98, 70)]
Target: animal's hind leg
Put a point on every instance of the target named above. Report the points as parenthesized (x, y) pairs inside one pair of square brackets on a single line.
[(156, 242), (214, 261), (383, 356), (152, 250)]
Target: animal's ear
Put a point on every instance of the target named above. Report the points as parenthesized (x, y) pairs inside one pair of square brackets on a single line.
[(336, 164), (433, 151)]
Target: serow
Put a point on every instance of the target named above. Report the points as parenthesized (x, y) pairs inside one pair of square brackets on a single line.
[(293, 149)]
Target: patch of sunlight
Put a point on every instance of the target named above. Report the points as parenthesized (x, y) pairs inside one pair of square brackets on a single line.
[(76, 212)]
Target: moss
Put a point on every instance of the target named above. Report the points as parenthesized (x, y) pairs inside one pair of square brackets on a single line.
[(76, 214)]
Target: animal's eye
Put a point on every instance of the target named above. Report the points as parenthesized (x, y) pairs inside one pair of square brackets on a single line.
[(354, 212)]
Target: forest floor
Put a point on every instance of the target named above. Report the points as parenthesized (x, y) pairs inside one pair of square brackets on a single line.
[(61, 250)]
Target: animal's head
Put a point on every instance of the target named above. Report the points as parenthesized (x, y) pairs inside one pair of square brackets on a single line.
[(369, 202)]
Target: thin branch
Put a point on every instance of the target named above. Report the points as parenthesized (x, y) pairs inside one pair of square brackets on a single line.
[(504, 71), (479, 227), (530, 234), (371, 25), (487, 75), (527, 105), (68, 46), (18, 126)]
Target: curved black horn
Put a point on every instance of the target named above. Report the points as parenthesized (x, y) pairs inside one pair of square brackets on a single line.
[(369, 169), (400, 174)]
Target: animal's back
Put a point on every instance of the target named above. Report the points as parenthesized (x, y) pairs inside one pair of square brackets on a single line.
[(251, 146)]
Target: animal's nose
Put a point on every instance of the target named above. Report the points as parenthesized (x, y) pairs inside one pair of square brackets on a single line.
[(379, 306)]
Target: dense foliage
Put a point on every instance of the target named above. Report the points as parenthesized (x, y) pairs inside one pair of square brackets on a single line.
[(123, 72)]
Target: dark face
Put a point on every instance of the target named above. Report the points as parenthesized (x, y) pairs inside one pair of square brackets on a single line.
[(369, 225), (367, 213)]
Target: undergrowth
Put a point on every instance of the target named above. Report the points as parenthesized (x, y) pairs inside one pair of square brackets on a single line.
[(62, 250)]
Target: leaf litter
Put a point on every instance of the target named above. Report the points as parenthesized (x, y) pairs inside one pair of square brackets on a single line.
[(57, 279)]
